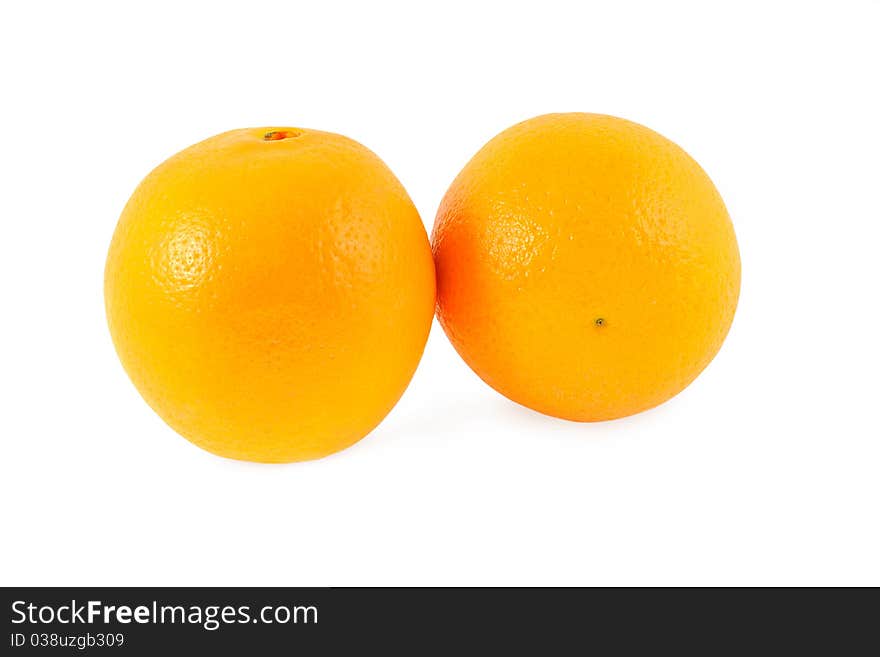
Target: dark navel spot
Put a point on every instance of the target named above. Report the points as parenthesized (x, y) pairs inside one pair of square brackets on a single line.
[(278, 135), (600, 322)]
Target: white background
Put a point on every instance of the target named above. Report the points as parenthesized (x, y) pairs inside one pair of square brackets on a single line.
[(765, 471)]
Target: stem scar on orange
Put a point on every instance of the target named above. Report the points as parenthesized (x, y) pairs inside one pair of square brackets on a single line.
[(270, 291), (586, 266)]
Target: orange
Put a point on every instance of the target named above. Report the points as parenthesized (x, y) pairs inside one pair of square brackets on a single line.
[(586, 266), (270, 291)]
